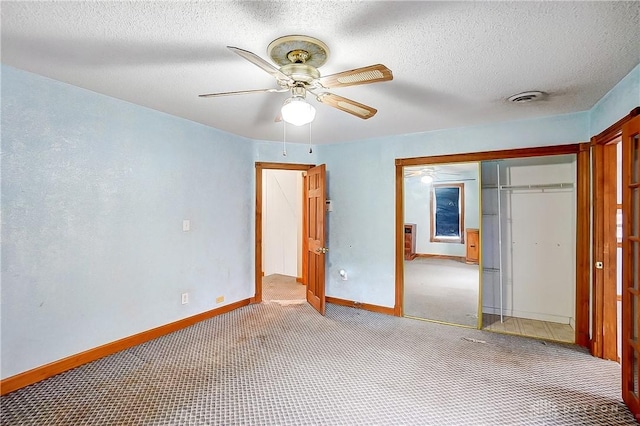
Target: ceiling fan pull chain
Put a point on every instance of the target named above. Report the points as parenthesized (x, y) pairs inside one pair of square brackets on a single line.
[(284, 138), (310, 149)]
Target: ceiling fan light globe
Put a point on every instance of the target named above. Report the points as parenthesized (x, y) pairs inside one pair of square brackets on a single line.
[(297, 111), (426, 179)]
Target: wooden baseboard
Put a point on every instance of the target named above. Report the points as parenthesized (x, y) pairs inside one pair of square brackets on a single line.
[(300, 280), (397, 311), (365, 306), (37, 374), (462, 259)]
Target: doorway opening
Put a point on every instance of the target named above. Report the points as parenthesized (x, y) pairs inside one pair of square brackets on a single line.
[(313, 200), (280, 245), (282, 209)]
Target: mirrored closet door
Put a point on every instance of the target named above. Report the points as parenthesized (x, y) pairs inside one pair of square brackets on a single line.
[(442, 243)]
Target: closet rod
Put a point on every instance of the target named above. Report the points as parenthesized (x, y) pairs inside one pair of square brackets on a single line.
[(534, 186)]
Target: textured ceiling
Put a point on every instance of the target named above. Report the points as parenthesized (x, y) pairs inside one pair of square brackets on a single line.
[(453, 63)]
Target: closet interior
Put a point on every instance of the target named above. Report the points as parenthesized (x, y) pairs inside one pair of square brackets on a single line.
[(529, 246)]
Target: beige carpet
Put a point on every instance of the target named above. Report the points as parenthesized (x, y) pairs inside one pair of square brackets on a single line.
[(442, 290), (268, 364)]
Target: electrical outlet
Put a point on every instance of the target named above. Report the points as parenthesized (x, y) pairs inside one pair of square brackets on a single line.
[(185, 298), (219, 299)]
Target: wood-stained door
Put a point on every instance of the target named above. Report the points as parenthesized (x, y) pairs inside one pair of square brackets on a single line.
[(631, 264), (604, 341), (315, 199)]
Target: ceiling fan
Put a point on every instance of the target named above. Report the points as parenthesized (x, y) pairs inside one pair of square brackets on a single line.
[(428, 174), (299, 58)]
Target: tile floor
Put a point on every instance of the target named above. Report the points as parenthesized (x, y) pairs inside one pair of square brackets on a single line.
[(529, 327)]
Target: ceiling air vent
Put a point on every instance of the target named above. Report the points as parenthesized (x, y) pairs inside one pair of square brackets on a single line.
[(527, 97)]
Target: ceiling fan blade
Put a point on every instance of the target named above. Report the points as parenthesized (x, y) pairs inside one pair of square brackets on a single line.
[(347, 105), (365, 75), (257, 60), (242, 92)]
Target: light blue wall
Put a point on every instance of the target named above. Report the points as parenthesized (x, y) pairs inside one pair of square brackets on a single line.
[(616, 103), (297, 153), (94, 191), (362, 187)]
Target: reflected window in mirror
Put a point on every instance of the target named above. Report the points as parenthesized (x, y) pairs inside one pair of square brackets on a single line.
[(447, 213)]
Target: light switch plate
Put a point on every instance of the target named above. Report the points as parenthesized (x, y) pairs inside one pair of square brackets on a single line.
[(186, 225)]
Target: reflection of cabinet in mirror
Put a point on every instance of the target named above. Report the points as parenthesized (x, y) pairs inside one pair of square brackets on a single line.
[(409, 241), (473, 245)]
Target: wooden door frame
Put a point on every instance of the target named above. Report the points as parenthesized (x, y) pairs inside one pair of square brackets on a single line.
[(259, 167), (604, 320), (582, 218)]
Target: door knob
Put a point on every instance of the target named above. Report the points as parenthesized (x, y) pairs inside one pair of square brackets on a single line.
[(322, 250)]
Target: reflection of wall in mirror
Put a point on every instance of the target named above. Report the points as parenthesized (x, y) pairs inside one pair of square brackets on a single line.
[(416, 210)]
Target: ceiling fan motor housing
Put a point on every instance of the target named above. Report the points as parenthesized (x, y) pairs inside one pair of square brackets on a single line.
[(301, 72)]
